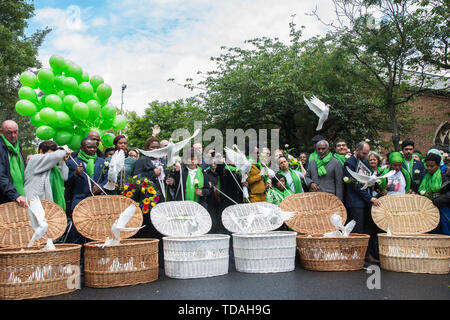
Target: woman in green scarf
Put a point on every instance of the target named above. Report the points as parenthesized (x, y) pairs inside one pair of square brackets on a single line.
[(400, 182), (278, 191), (45, 174)]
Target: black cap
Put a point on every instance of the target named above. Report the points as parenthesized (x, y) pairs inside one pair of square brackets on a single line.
[(317, 138)]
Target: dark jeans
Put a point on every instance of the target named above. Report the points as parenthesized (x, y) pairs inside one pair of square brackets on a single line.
[(365, 225)]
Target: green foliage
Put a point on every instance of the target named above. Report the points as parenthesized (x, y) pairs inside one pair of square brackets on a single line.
[(169, 116), (17, 54)]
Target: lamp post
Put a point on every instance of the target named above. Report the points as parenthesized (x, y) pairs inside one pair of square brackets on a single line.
[(124, 86)]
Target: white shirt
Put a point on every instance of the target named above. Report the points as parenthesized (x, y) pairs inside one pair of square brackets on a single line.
[(396, 184), (290, 181)]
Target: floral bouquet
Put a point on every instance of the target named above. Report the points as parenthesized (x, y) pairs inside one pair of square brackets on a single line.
[(141, 190)]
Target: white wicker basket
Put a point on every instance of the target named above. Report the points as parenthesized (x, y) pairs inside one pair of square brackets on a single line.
[(188, 252), (261, 250)]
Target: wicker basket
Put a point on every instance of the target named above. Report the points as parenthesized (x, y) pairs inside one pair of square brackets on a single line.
[(258, 249), (312, 219), (131, 262), (407, 249), (27, 273), (188, 252)]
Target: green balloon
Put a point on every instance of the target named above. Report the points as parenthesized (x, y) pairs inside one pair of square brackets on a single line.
[(29, 79), (57, 63), (46, 77), (36, 120), (61, 95), (62, 137), (26, 108), (106, 124), (48, 115), (120, 122), (75, 142), (70, 85), (45, 132), (55, 102), (96, 81), (59, 82), (108, 111), (63, 119), (28, 93), (69, 101), (75, 71), (94, 109), (104, 91), (86, 91), (80, 110), (85, 77), (108, 139)]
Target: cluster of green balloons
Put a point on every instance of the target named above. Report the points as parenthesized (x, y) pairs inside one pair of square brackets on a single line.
[(71, 104)]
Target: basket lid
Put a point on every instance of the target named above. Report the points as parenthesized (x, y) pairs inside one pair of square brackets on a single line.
[(314, 210), (406, 213), (15, 225), (94, 217), (181, 218), (251, 217)]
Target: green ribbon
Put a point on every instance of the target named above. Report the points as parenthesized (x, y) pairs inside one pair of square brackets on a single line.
[(58, 189), (321, 163), (295, 179), (431, 183), (190, 186), (90, 162), (16, 165), (313, 156), (411, 165), (340, 157), (275, 196)]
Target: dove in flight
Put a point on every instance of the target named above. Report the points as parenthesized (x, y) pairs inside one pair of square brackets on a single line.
[(120, 224), (115, 166), (242, 164), (37, 219), (170, 150), (320, 109), (369, 181)]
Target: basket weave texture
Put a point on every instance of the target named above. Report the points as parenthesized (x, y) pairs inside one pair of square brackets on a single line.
[(131, 262), (314, 210), (406, 214), (27, 273), (15, 226), (415, 253), (312, 219)]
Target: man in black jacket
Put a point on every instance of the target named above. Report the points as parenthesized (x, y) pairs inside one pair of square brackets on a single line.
[(11, 156)]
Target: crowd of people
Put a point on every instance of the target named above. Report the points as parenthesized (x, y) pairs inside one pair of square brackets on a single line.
[(67, 177)]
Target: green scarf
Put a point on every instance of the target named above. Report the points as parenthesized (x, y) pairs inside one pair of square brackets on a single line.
[(340, 157), (275, 196), (16, 165), (431, 184), (411, 165), (90, 162), (312, 156), (295, 179), (190, 187), (321, 163), (57, 184), (406, 175)]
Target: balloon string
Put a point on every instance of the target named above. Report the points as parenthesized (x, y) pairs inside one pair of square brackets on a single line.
[(89, 178)]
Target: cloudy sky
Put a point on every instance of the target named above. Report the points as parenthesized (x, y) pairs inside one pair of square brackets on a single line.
[(143, 43)]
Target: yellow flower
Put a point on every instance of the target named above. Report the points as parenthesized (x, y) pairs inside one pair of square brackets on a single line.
[(152, 204), (125, 187), (145, 211), (151, 190), (138, 182), (146, 201), (129, 194), (142, 190)]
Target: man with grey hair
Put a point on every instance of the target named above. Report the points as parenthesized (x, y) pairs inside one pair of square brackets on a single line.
[(358, 201), (325, 173), (12, 165)]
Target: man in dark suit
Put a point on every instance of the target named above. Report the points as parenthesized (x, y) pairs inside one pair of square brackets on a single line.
[(12, 165), (359, 202), (415, 168)]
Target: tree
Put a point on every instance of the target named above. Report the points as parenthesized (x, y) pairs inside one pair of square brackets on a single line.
[(168, 115), (389, 52), (263, 87), (17, 54)]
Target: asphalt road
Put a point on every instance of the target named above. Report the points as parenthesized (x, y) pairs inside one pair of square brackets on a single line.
[(299, 284)]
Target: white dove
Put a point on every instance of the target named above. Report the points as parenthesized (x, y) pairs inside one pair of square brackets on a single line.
[(115, 166), (170, 150), (242, 164), (119, 225), (320, 109), (37, 219), (369, 181), (275, 215)]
